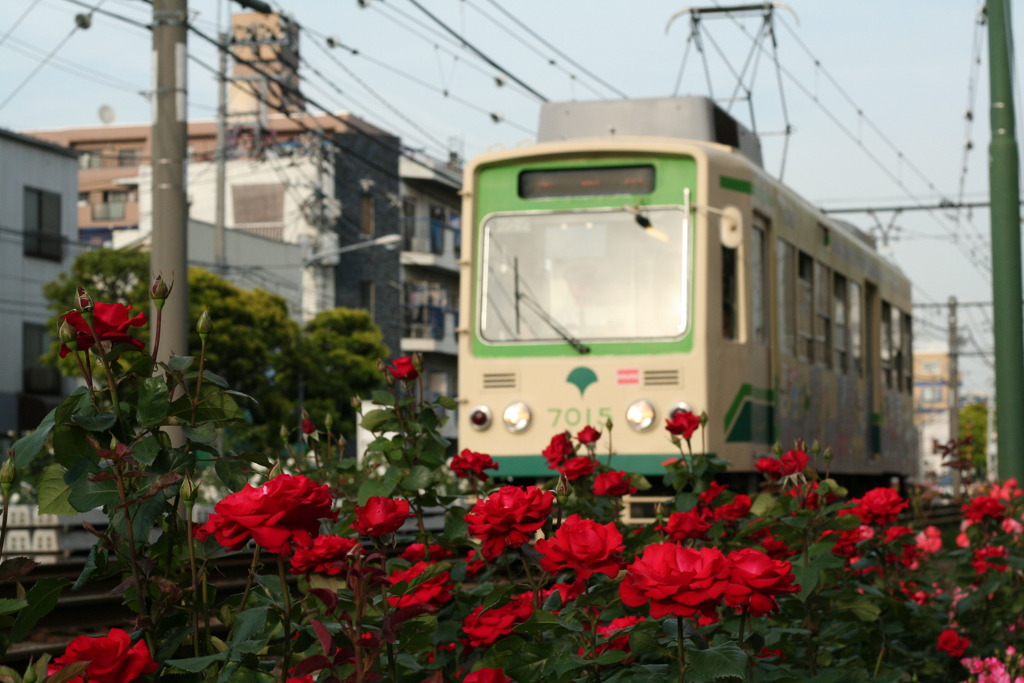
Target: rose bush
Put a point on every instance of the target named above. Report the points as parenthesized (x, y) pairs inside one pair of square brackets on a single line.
[(352, 579)]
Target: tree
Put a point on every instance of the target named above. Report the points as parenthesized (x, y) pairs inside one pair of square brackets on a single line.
[(974, 422), (254, 345)]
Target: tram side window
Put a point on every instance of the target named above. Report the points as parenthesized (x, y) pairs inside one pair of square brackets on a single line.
[(896, 325), (729, 307), (786, 296), (908, 363), (759, 286), (885, 343), (805, 310), (856, 354), (823, 314), (839, 316)]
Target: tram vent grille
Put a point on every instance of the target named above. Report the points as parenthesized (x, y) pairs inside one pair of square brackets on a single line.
[(661, 378), (499, 380)]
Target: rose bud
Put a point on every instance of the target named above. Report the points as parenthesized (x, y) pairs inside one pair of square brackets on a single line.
[(189, 490), (7, 474), (275, 470), (328, 421), (562, 489), (83, 301), (68, 335), (159, 291), (205, 325)]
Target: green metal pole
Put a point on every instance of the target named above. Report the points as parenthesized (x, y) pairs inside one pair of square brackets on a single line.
[(1004, 188)]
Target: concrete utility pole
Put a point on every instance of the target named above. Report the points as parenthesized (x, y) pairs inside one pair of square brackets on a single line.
[(222, 154), (1004, 191), (954, 392), (170, 137)]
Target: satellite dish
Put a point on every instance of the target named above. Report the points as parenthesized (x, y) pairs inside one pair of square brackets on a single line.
[(106, 114)]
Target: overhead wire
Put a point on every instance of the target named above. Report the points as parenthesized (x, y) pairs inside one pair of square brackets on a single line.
[(18, 21), (81, 71)]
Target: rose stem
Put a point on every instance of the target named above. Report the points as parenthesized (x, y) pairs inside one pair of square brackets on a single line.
[(529, 578), (248, 582), (110, 375), (199, 379), (681, 651), (195, 578), (287, 619), (743, 623), (87, 371), (385, 611), (156, 341), (7, 500), (206, 616), (143, 610)]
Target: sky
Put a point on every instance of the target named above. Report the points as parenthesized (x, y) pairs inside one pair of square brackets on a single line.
[(875, 93)]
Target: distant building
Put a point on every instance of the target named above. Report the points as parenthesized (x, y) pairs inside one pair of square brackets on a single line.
[(931, 410), (38, 190)]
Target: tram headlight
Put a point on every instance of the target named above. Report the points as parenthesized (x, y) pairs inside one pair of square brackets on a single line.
[(480, 418), (517, 417), (680, 407), (640, 415)]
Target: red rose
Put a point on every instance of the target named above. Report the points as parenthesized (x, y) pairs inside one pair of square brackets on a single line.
[(111, 322), (983, 556), (284, 512), (982, 507), (755, 580), (575, 468), (485, 675), (474, 566), (433, 592), (951, 642), (112, 658), (588, 436), (486, 627), (682, 423), (847, 541), (612, 637), (793, 462), (417, 552), (508, 517), (776, 549), (769, 466), (709, 496), (584, 545), (676, 580), (329, 555), (908, 548), (568, 591), (472, 464), (403, 369), (558, 450), (682, 526), (614, 484), (879, 506), (737, 509), (304, 679), (308, 427), (381, 516)]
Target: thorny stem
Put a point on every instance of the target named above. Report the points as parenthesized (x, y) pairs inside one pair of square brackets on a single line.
[(143, 609), (248, 582), (287, 619), (3, 525), (529, 579), (878, 662), (87, 370), (681, 650), (111, 385), (196, 608)]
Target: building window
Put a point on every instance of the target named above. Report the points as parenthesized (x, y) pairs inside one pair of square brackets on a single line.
[(839, 319), (885, 345), (822, 314), (932, 393), (113, 206), (408, 223), (259, 209), (367, 217), (42, 225), (455, 223), (36, 377), (785, 266), (368, 298), (130, 157), (932, 368), (856, 345), (437, 226), (759, 286), (729, 321), (90, 159), (805, 308), (907, 352)]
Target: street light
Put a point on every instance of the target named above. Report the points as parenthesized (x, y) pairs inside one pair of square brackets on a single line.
[(382, 241)]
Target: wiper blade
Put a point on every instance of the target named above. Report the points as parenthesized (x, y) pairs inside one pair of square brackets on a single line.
[(542, 314)]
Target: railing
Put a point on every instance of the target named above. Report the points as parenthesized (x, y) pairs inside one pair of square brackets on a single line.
[(108, 211), (424, 321)]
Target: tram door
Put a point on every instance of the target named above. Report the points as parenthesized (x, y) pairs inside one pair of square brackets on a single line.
[(763, 422), (872, 370)]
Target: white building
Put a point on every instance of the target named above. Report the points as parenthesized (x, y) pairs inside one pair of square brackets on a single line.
[(39, 236)]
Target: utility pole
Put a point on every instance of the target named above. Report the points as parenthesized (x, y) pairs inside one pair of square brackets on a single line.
[(954, 394), (222, 153), (1004, 192), (170, 203)]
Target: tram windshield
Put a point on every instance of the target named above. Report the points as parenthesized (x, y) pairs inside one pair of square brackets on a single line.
[(597, 275)]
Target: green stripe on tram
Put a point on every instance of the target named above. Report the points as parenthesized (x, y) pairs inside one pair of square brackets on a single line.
[(756, 421), (537, 466), (736, 184)]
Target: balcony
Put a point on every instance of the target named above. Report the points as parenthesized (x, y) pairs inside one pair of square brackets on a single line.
[(429, 244), (430, 329), (108, 211)]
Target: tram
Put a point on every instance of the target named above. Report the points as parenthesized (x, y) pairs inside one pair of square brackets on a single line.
[(638, 260)]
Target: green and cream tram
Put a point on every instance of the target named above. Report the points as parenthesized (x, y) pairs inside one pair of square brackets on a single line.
[(637, 261)]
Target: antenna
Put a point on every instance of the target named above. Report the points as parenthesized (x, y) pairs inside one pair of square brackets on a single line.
[(106, 114)]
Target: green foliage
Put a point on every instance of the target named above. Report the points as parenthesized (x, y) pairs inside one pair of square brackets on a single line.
[(974, 423)]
